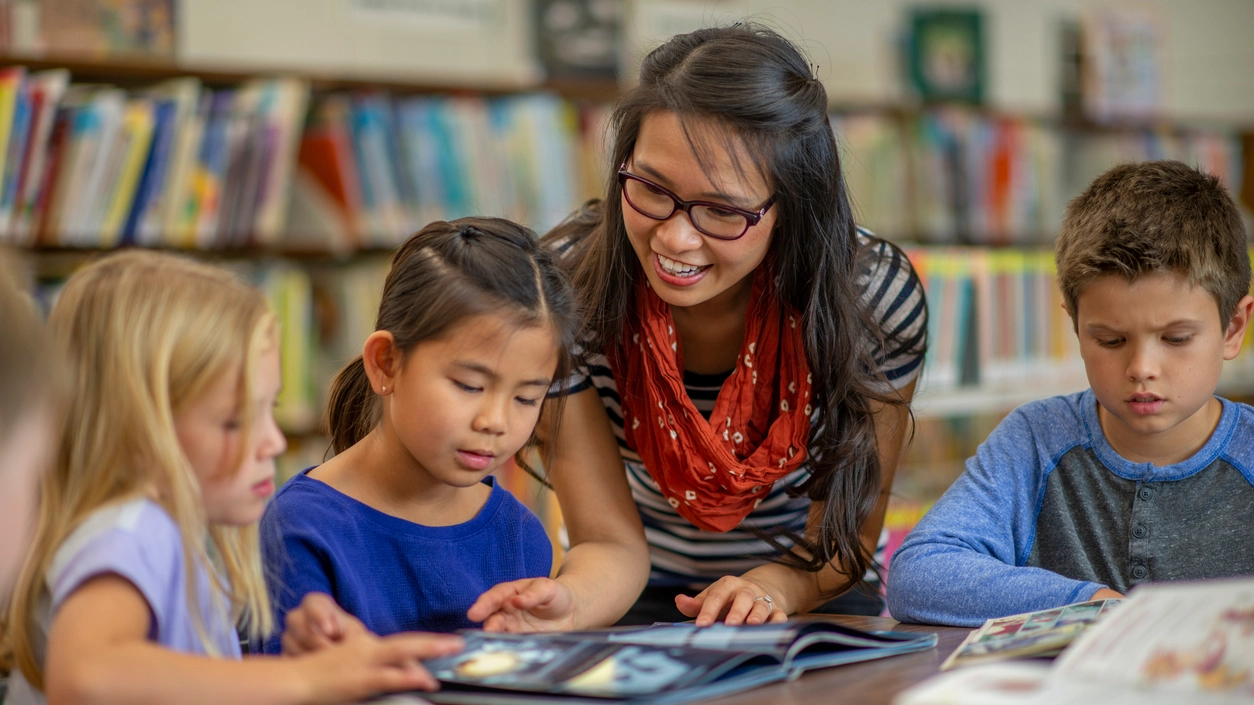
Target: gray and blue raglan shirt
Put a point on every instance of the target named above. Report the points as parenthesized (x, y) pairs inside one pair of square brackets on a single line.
[(1047, 513)]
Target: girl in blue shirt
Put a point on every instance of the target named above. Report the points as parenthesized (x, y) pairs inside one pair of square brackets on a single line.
[(404, 526)]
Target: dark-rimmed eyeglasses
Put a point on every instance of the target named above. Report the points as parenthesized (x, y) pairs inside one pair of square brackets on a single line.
[(718, 220)]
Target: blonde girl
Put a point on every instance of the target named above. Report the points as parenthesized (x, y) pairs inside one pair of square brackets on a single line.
[(145, 554)]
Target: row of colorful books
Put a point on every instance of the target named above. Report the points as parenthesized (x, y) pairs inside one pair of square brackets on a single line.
[(373, 168), (183, 165), (997, 324), (959, 176), (176, 164), (996, 319)]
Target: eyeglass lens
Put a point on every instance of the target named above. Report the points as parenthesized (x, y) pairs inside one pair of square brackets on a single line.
[(658, 204)]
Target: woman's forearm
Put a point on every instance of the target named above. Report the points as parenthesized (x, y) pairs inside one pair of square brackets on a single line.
[(802, 590), (608, 563)]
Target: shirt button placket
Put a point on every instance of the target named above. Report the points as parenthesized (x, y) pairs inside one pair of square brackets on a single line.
[(1139, 545)]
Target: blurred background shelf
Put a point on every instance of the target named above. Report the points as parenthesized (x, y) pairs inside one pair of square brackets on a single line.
[(298, 141)]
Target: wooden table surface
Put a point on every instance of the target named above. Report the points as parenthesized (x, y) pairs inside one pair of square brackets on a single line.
[(870, 683)]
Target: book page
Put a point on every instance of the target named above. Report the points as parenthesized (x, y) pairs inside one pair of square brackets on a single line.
[(1030, 683), (1175, 636)]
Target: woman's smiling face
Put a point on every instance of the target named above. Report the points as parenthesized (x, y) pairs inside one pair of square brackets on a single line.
[(684, 266)]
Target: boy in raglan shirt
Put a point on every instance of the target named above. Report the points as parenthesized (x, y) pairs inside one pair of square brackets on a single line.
[(1146, 476)]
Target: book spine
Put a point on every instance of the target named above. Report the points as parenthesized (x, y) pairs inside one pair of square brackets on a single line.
[(15, 158), (138, 124)]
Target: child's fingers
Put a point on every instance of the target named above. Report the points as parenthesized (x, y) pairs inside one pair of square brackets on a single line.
[(491, 601), (323, 614), (537, 593), (405, 649), (293, 645), (495, 623), (315, 624), (395, 679), (300, 635)]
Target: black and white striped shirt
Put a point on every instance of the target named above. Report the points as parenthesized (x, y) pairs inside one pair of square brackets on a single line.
[(682, 554)]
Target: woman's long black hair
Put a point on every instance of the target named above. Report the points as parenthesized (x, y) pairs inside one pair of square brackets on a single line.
[(758, 91)]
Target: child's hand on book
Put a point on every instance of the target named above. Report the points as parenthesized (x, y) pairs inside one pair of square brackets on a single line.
[(363, 665), (1106, 594), (317, 623), (734, 600), (530, 605)]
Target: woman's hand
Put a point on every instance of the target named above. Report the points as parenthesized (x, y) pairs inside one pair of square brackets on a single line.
[(316, 623), (735, 600), (529, 605)]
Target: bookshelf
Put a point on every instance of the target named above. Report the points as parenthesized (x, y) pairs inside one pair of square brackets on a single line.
[(254, 169), (973, 195), (141, 70)]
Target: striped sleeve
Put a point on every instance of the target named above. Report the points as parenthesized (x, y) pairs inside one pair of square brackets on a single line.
[(893, 292), (579, 379)]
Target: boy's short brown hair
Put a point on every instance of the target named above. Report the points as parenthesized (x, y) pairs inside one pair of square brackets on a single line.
[(1148, 217)]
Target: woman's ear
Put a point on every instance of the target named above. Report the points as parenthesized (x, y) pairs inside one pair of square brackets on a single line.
[(382, 360)]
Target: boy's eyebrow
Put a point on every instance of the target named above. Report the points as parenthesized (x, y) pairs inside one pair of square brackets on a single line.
[(1183, 322), (492, 375), (717, 195)]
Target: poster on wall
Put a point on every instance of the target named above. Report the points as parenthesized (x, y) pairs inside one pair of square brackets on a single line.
[(107, 27), (1122, 61), (945, 55), (579, 38)]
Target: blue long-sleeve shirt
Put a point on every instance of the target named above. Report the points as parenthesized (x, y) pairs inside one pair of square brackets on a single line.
[(1047, 513), (392, 574)]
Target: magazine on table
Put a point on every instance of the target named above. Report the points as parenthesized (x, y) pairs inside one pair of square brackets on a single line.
[(1031, 634), (663, 663), (1167, 643)]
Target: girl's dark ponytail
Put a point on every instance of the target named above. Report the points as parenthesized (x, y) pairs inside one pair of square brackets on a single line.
[(352, 409)]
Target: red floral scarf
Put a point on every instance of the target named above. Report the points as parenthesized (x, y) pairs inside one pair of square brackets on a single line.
[(715, 472)]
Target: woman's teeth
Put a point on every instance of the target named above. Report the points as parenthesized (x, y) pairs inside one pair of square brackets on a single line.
[(678, 269)]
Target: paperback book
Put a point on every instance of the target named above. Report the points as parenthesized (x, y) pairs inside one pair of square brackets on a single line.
[(1167, 643), (1032, 634), (663, 663)]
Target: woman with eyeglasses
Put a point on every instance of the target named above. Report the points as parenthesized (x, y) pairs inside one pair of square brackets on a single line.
[(730, 443)]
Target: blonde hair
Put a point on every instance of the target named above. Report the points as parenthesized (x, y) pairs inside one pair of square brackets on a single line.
[(144, 334)]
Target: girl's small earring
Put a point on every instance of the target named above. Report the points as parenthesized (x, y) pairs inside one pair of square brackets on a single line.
[(383, 390)]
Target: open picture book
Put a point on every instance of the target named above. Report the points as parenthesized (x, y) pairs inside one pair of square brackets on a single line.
[(1031, 634), (663, 663), (1166, 643)]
